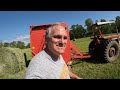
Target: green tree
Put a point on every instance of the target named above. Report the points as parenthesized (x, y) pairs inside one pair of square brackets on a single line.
[(13, 44), (80, 31), (88, 24), (20, 44), (73, 27), (71, 34), (1, 44), (96, 21), (118, 23), (106, 29), (102, 20), (6, 44), (28, 45)]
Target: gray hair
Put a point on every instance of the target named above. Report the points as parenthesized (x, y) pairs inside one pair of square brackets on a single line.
[(49, 29)]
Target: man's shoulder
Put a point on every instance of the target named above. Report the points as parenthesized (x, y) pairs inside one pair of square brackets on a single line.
[(41, 53), (38, 57)]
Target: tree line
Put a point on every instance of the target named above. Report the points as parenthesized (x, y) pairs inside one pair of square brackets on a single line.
[(79, 31), (15, 44)]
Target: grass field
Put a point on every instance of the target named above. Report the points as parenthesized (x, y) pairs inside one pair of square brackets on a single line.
[(85, 68), (91, 69), (28, 53)]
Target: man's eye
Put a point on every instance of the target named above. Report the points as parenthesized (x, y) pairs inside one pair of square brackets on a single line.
[(65, 37), (57, 36)]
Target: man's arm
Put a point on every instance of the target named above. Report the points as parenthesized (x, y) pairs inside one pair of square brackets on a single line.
[(73, 76)]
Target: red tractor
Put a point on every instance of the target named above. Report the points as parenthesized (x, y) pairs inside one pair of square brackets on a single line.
[(104, 47)]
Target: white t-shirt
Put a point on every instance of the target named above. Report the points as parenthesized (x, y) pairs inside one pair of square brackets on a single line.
[(43, 66)]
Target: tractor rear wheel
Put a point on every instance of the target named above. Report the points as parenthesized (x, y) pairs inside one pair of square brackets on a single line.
[(110, 51), (92, 48)]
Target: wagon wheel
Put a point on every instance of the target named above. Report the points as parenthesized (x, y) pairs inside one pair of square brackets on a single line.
[(110, 51)]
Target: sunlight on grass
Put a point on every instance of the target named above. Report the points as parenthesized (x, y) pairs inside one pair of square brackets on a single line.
[(82, 43), (92, 69), (28, 53)]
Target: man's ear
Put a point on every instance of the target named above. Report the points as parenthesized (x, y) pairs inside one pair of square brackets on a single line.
[(46, 40)]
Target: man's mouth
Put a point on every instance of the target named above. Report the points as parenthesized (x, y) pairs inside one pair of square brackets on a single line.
[(60, 46)]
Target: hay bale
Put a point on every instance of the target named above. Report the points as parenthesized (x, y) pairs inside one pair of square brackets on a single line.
[(2, 68), (11, 60)]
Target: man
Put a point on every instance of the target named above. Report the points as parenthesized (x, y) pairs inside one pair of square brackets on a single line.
[(49, 63)]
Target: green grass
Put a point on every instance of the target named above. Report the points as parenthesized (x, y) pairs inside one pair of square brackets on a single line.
[(19, 75), (93, 69), (82, 43), (28, 53), (85, 68)]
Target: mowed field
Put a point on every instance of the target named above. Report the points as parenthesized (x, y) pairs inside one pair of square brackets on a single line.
[(93, 69), (88, 68), (85, 68)]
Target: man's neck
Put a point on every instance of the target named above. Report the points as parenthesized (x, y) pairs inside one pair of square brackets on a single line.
[(51, 54)]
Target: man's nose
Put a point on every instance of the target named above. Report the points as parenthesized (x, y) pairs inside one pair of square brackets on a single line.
[(63, 41)]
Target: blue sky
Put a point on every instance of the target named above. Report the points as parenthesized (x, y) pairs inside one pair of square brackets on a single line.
[(15, 25)]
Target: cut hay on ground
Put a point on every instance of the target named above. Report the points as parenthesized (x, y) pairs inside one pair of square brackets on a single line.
[(11, 60)]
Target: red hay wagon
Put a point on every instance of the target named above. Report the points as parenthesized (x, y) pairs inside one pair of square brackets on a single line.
[(37, 40)]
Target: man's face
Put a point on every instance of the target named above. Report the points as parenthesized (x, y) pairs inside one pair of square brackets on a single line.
[(58, 40)]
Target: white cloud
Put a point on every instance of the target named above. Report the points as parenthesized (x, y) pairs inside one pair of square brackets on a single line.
[(25, 39), (6, 41)]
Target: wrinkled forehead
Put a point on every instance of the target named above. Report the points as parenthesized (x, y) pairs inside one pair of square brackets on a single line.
[(58, 27), (59, 30)]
